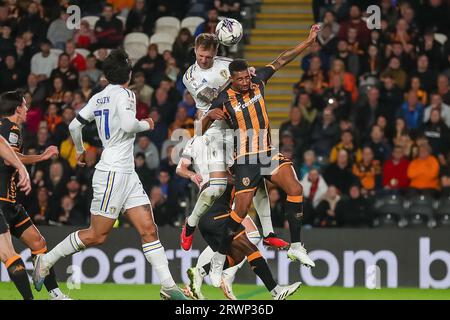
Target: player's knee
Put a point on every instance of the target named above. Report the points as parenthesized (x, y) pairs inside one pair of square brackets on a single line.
[(38, 243), (94, 239), (149, 233)]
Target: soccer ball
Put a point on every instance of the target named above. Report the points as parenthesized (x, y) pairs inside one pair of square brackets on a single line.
[(229, 32)]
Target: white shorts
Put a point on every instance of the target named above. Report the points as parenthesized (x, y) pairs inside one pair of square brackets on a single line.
[(220, 148), (115, 192)]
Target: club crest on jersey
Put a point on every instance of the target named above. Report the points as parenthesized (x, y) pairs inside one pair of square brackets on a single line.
[(112, 210), (13, 138), (224, 73), (246, 181)]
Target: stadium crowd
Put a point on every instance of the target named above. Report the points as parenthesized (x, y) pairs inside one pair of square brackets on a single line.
[(370, 115)]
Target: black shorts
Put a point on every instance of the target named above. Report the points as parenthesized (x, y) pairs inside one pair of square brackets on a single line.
[(212, 224), (17, 218), (3, 224), (249, 170)]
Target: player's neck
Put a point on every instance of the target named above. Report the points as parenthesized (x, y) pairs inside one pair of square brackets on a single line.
[(13, 119)]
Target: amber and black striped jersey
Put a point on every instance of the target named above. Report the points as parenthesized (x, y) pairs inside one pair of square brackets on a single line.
[(246, 113), (11, 132)]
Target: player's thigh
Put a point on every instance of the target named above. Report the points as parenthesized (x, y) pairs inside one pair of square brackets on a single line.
[(216, 153), (242, 247), (242, 202), (110, 190), (6, 247)]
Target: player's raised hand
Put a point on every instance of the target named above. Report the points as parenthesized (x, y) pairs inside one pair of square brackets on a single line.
[(197, 179), (150, 123), (50, 152), (215, 114), (24, 180), (315, 29), (80, 159)]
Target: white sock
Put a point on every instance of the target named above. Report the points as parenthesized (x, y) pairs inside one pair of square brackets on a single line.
[(262, 207), (70, 245), (254, 237), (155, 254), (214, 191), (231, 272), (204, 258)]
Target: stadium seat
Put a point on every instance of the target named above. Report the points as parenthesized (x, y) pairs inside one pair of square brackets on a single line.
[(442, 212), (169, 25), (163, 40), (136, 37), (135, 51), (389, 211), (83, 52), (419, 211), (191, 23), (96, 52), (123, 19), (440, 37), (92, 20)]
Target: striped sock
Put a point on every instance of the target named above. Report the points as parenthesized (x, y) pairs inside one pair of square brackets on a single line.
[(70, 245), (156, 256)]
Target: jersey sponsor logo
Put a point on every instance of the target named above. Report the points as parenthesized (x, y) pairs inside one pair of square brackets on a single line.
[(240, 106), (103, 100), (13, 138)]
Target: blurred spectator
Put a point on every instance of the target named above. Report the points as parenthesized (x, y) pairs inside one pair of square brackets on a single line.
[(424, 172), (400, 131), (159, 133), (276, 209), (163, 105), (91, 70), (431, 48), (182, 121), (189, 104), (56, 183), (77, 61), (395, 171), (327, 38), (85, 36), (443, 87), (372, 63), (52, 117), (66, 71), (181, 48), (23, 55), (299, 129), (145, 91), (316, 74), (39, 209), (314, 187), (412, 111), (354, 211), (347, 144), (340, 174), (326, 214), (146, 176), (142, 109), (338, 98), (315, 50), (108, 29), (339, 8), (368, 171), (140, 18), (85, 87), (61, 130), (415, 86), (309, 163), (308, 110), (434, 14), (43, 62), (57, 91), (153, 66), (324, 134), (11, 76), (6, 40), (426, 75), (58, 33), (68, 151), (378, 144), (209, 26), (365, 114), (437, 133), (160, 206), (229, 8), (148, 148), (329, 19), (357, 23), (348, 80), (391, 98), (33, 22)]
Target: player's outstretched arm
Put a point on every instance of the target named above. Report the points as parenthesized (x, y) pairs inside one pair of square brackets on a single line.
[(183, 171), (9, 155), (50, 152), (290, 54)]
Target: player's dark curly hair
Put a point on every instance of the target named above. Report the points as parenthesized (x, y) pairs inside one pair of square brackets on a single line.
[(238, 65), (117, 67), (9, 101)]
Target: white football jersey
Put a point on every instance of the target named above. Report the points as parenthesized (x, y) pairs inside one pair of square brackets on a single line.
[(114, 112), (196, 151), (196, 79)]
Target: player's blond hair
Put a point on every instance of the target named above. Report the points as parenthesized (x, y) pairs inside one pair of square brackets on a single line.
[(207, 41)]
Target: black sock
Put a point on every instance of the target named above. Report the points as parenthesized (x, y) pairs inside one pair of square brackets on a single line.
[(50, 280), (189, 230), (260, 267), (294, 213), (231, 227), (18, 275)]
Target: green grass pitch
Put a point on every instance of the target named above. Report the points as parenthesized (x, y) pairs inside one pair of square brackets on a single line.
[(243, 292)]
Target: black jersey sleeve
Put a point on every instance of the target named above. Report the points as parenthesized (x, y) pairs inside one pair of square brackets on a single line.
[(265, 73)]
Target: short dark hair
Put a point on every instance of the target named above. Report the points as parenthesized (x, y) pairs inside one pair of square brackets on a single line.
[(9, 101), (207, 40), (117, 67), (238, 65)]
